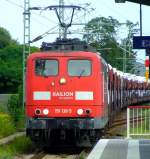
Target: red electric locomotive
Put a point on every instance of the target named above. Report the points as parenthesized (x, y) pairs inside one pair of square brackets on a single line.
[(66, 95), (72, 93)]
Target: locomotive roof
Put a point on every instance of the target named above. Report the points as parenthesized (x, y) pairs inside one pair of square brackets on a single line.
[(45, 54), (67, 45)]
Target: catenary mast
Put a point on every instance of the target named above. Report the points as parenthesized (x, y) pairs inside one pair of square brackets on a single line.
[(61, 15), (26, 46)]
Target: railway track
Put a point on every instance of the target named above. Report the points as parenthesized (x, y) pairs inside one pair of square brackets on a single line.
[(54, 156), (119, 126), (117, 129), (44, 155), (40, 154), (124, 121)]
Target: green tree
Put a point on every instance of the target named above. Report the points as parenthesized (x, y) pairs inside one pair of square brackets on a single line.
[(127, 44), (5, 38), (10, 68), (102, 33), (100, 29), (11, 57)]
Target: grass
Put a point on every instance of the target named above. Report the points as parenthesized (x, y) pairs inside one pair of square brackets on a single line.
[(20, 123), (143, 124), (18, 146), (7, 126), (140, 130), (83, 155), (3, 108)]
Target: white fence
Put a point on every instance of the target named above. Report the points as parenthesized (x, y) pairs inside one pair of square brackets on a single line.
[(138, 121)]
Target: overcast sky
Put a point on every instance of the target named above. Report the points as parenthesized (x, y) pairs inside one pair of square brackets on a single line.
[(11, 16)]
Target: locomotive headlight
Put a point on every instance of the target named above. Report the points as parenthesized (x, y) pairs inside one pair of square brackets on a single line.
[(80, 111), (37, 111), (45, 111), (62, 81), (88, 111)]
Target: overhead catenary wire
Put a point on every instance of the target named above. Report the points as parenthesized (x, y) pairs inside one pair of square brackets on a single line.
[(21, 6), (15, 4), (50, 31)]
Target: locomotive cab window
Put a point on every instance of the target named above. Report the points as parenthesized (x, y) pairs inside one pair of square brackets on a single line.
[(44, 67), (79, 68)]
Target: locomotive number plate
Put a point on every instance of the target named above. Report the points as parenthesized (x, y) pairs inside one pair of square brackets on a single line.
[(63, 111)]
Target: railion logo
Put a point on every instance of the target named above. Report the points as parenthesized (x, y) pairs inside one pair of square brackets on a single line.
[(62, 94)]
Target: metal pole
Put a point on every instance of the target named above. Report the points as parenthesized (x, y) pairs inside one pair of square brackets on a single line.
[(61, 15), (128, 123), (26, 46), (124, 58), (123, 62), (140, 17)]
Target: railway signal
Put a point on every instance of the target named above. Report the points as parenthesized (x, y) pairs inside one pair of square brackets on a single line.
[(143, 42), (147, 64), (147, 75)]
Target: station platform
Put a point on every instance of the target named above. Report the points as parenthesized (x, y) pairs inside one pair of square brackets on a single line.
[(121, 149)]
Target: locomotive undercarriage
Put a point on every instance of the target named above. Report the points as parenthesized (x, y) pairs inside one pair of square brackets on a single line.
[(68, 137), (57, 132)]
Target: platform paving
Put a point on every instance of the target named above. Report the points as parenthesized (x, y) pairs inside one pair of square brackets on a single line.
[(11, 138), (121, 149)]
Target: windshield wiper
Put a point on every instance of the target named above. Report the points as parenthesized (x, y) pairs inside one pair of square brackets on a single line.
[(82, 72)]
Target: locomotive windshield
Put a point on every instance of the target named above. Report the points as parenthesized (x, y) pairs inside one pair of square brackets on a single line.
[(46, 67), (79, 68)]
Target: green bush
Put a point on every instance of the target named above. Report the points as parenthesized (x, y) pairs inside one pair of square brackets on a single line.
[(5, 155), (18, 146), (3, 108), (6, 125), (22, 144), (20, 92), (14, 108), (82, 155)]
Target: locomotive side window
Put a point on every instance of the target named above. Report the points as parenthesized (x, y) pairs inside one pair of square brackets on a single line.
[(46, 67), (79, 68)]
